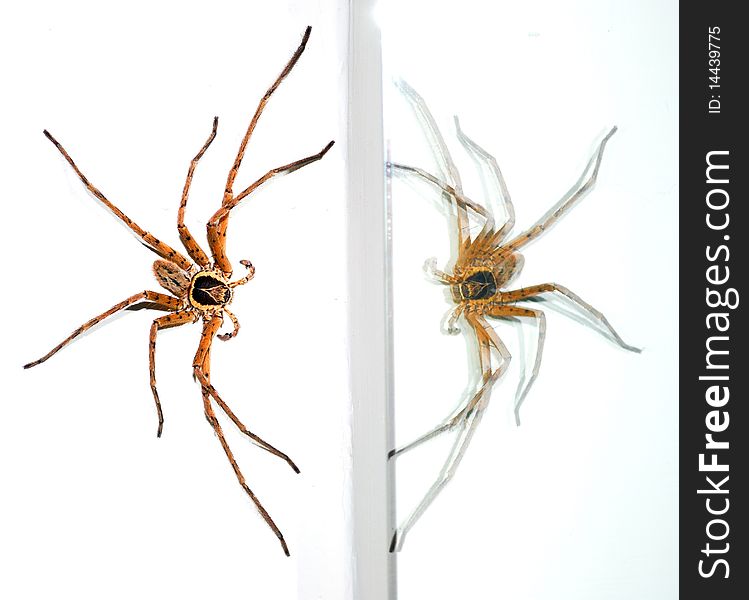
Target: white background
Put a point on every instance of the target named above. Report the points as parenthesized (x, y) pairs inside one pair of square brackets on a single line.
[(93, 504), (579, 502)]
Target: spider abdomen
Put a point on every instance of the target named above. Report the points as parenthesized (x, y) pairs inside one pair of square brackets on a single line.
[(171, 277), (209, 290)]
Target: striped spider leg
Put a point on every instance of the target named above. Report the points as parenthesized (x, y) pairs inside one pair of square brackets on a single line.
[(486, 264), (200, 288)]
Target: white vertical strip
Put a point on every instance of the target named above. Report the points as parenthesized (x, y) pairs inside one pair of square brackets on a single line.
[(367, 306)]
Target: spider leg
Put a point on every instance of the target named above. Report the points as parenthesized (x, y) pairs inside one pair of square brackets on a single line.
[(504, 194), (567, 203), (160, 301), (485, 342), (503, 310), (228, 194), (467, 429), (217, 225), (434, 136), (445, 162), (449, 423), (174, 320), (449, 191), (211, 391), (596, 315), (205, 382), (188, 241), (446, 425), (467, 419), (255, 438), (211, 416), (201, 358), (152, 243)]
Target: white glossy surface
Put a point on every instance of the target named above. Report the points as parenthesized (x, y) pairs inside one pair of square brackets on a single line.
[(581, 500)]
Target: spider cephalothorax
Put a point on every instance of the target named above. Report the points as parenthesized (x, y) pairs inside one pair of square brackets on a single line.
[(201, 288), (485, 265), (209, 291), (482, 280)]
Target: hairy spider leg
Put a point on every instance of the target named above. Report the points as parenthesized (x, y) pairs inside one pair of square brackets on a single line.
[(460, 199), (200, 363), (565, 204), (260, 442), (228, 193), (188, 241), (176, 319), (470, 418), (482, 155), (605, 328), (434, 136), (216, 226), (480, 244), (504, 310), (446, 166), (486, 339), (158, 302), (152, 243), (256, 439), (467, 429), (219, 222)]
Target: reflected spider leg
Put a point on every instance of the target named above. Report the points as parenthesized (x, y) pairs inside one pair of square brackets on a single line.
[(199, 291), (482, 156), (210, 327), (446, 165), (486, 339), (505, 310), (465, 433), (481, 273), (467, 420), (464, 202), (565, 204)]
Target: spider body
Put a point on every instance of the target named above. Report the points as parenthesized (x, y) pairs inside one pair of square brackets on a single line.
[(200, 288), (485, 266), (172, 278), (480, 281), (209, 291)]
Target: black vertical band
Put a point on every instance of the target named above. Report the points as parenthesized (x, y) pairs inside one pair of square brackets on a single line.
[(714, 427)]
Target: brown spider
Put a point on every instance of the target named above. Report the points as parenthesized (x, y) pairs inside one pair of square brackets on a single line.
[(485, 265), (201, 289)]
